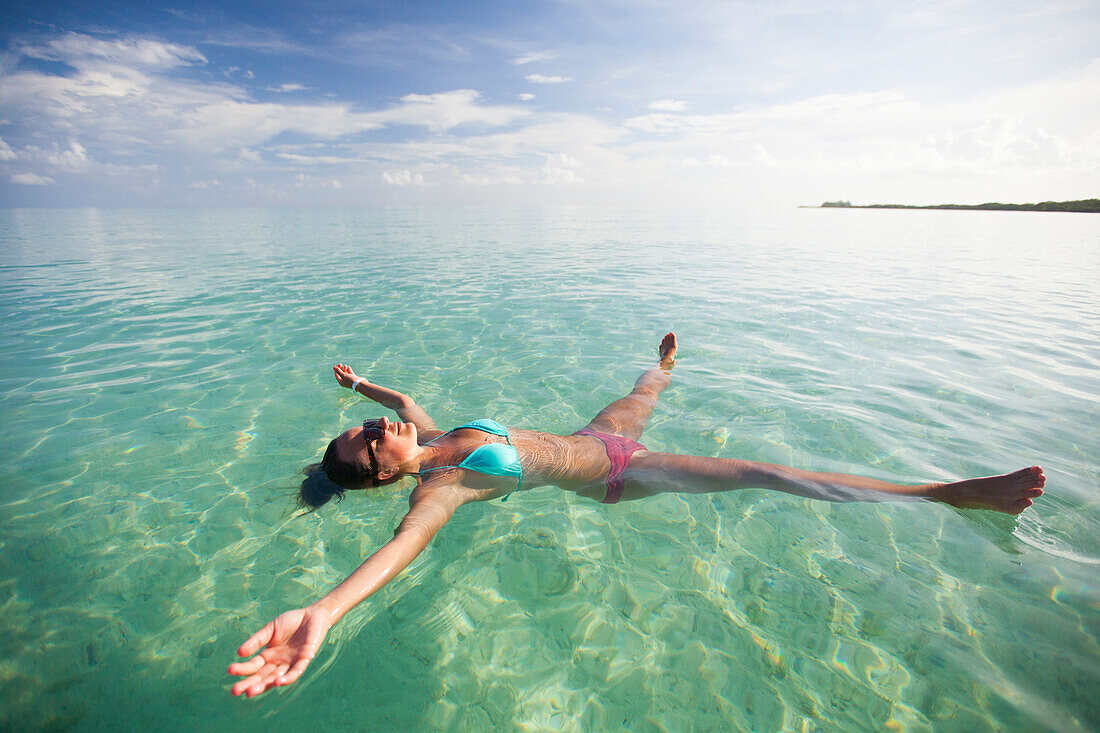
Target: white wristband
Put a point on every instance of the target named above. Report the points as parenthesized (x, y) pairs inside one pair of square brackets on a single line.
[(356, 383)]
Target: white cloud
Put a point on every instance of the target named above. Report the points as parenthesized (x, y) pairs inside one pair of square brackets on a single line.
[(138, 107), (32, 179), (445, 110), (560, 169), (578, 136), (319, 159), (668, 105), (136, 101), (403, 178), (74, 158), (242, 123), (495, 177), (303, 180), (75, 48), (540, 79), (231, 123), (832, 109), (888, 143), (719, 161), (536, 56), (559, 149)]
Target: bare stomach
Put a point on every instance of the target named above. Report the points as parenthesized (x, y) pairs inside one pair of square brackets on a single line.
[(577, 464)]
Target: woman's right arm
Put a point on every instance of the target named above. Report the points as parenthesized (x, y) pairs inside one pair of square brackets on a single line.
[(289, 643), (405, 406), (414, 533)]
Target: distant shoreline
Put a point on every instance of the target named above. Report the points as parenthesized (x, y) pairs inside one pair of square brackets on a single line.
[(1082, 206)]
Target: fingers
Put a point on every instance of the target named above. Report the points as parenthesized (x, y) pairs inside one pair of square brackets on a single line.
[(252, 666), (260, 682), (294, 673), (257, 640), (265, 676), (245, 685), (266, 681)]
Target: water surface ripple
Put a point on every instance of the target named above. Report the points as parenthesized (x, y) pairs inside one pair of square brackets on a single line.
[(165, 374)]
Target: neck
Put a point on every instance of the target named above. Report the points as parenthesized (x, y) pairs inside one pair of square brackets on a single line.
[(426, 456)]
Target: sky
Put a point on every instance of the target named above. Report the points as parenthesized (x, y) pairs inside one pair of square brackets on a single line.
[(782, 103)]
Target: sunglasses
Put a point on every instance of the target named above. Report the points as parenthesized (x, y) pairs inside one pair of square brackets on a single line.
[(372, 431)]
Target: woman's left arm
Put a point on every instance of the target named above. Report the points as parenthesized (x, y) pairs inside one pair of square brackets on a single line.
[(293, 638), (405, 406)]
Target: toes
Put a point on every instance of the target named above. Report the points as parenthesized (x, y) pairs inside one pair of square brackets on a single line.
[(1021, 505), (1033, 493), (1027, 478)]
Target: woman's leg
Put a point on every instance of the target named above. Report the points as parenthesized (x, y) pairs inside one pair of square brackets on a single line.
[(655, 473), (628, 416)]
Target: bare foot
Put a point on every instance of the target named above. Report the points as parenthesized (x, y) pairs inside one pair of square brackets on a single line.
[(667, 350), (1010, 493)]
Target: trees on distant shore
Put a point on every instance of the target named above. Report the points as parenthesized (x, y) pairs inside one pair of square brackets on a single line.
[(1081, 206)]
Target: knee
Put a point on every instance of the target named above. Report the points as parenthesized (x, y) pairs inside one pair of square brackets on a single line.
[(760, 475)]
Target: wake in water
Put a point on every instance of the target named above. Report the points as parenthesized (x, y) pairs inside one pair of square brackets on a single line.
[(484, 460)]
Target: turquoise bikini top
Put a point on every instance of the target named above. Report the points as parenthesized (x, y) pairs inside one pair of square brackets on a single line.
[(492, 459)]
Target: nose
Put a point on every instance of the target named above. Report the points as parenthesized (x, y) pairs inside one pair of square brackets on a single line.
[(384, 423)]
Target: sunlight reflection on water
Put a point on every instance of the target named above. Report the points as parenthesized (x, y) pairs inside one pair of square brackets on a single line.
[(165, 374)]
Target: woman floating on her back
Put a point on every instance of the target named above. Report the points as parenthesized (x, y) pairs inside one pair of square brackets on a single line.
[(484, 460)]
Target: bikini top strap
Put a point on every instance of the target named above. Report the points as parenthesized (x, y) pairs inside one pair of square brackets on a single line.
[(437, 468)]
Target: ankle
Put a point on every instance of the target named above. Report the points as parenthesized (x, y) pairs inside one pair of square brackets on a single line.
[(947, 493)]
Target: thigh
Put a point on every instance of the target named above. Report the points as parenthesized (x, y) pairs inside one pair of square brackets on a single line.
[(627, 416), (653, 473)]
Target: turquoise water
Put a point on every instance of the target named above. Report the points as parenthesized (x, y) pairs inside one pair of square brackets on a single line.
[(165, 374)]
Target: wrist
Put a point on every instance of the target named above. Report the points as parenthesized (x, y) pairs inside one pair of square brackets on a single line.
[(328, 610), (354, 387)]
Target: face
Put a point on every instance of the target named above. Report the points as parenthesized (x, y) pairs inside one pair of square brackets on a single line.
[(393, 444)]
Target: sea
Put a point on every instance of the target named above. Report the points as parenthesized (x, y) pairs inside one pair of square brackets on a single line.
[(166, 374)]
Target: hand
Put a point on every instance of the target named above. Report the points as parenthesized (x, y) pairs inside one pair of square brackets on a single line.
[(289, 644), (345, 377)]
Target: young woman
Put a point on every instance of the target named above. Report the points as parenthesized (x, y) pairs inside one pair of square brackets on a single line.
[(484, 460)]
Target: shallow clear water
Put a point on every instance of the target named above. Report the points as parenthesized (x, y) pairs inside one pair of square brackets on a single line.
[(165, 374)]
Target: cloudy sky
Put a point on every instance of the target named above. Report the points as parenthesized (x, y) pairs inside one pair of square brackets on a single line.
[(778, 102)]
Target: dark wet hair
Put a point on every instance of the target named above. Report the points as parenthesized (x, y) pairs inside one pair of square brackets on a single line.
[(332, 477)]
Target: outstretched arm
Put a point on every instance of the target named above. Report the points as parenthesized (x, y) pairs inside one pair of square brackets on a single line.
[(414, 533), (405, 406), (291, 641)]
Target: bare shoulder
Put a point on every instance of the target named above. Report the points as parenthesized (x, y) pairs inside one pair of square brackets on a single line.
[(445, 489), (431, 506), (428, 435)]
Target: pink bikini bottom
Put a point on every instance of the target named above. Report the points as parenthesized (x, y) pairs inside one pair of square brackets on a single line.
[(619, 450)]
